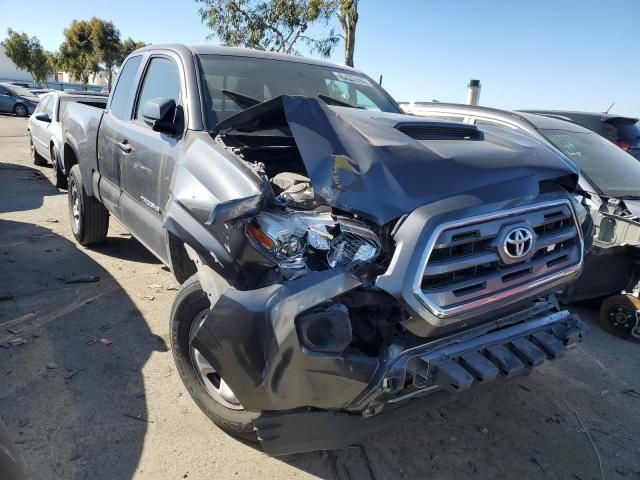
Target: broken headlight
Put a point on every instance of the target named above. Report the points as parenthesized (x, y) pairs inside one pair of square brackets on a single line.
[(301, 240)]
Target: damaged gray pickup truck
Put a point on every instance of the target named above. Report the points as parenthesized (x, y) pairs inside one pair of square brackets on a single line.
[(340, 261)]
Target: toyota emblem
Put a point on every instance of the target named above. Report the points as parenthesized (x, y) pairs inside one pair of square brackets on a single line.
[(518, 243)]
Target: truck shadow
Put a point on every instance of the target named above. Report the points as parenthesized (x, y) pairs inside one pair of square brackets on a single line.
[(23, 188), (75, 406), (126, 247)]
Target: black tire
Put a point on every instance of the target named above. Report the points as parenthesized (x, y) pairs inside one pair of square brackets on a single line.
[(20, 110), (618, 315), (36, 158), (90, 220), (59, 178), (190, 301)]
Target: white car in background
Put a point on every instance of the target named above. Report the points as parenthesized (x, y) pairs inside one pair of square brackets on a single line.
[(45, 130)]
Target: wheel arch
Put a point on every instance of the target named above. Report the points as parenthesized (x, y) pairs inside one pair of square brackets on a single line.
[(69, 157), (181, 265)]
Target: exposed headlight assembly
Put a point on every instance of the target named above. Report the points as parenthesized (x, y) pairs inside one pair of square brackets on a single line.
[(293, 238)]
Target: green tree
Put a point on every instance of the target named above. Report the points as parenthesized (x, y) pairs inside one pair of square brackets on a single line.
[(128, 46), (40, 66), (105, 40), (278, 25), (348, 16), (27, 54), (77, 52), (54, 61)]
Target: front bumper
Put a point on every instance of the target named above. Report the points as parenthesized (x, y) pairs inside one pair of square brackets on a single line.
[(451, 368), (251, 338)]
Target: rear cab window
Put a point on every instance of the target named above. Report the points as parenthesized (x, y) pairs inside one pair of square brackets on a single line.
[(124, 88)]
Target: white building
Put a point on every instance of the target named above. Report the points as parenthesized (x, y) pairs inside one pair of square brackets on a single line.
[(8, 70), (99, 78)]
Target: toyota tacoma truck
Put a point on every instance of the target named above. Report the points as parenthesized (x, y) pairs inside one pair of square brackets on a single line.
[(343, 265)]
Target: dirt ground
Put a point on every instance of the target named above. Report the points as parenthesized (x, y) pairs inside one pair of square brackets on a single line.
[(78, 406)]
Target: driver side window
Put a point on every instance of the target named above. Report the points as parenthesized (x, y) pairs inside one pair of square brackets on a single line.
[(162, 79)]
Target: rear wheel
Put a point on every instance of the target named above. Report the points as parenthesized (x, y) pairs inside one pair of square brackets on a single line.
[(20, 110), (618, 314), (89, 219), (207, 388), (36, 158), (59, 178)]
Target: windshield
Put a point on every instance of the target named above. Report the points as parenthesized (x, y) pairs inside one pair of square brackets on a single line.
[(20, 91), (233, 82), (609, 168)]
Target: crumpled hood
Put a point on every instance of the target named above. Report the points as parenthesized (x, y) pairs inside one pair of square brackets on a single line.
[(359, 161)]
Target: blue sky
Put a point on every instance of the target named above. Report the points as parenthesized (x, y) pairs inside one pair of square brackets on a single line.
[(573, 54)]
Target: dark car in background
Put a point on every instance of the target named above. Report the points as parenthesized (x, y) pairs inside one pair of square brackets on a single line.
[(611, 179), (18, 100), (621, 130)]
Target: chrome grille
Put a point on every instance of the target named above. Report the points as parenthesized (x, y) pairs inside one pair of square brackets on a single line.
[(463, 265)]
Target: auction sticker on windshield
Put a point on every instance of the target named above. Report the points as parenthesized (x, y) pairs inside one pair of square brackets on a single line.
[(348, 78)]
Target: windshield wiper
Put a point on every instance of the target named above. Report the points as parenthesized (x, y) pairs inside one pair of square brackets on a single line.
[(241, 98), (336, 102)]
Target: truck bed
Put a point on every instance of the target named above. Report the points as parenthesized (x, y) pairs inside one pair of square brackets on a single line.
[(80, 125)]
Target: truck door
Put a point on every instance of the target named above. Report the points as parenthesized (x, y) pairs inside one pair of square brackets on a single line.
[(151, 156), (111, 150)]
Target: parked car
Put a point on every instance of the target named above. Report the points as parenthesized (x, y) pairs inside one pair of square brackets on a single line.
[(18, 100), (612, 179), (621, 130), (342, 264), (45, 131)]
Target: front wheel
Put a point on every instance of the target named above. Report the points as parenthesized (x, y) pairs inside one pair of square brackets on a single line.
[(20, 110), (89, 219), (207, 388)]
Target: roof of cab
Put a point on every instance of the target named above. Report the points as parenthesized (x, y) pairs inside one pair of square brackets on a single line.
[(205, 49)]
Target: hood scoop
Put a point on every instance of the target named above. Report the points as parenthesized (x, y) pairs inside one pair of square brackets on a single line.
[(440, 131)]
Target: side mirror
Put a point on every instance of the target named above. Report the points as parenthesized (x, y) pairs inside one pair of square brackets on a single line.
[(159, 114), (43, 117)]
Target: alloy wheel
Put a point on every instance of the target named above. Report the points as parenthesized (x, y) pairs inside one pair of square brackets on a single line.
[(210, 379)]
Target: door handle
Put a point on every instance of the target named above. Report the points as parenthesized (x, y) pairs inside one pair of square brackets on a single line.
[(124, 146)]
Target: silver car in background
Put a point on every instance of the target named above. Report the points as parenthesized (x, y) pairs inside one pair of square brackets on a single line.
[(45, 130), (17, 100)]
